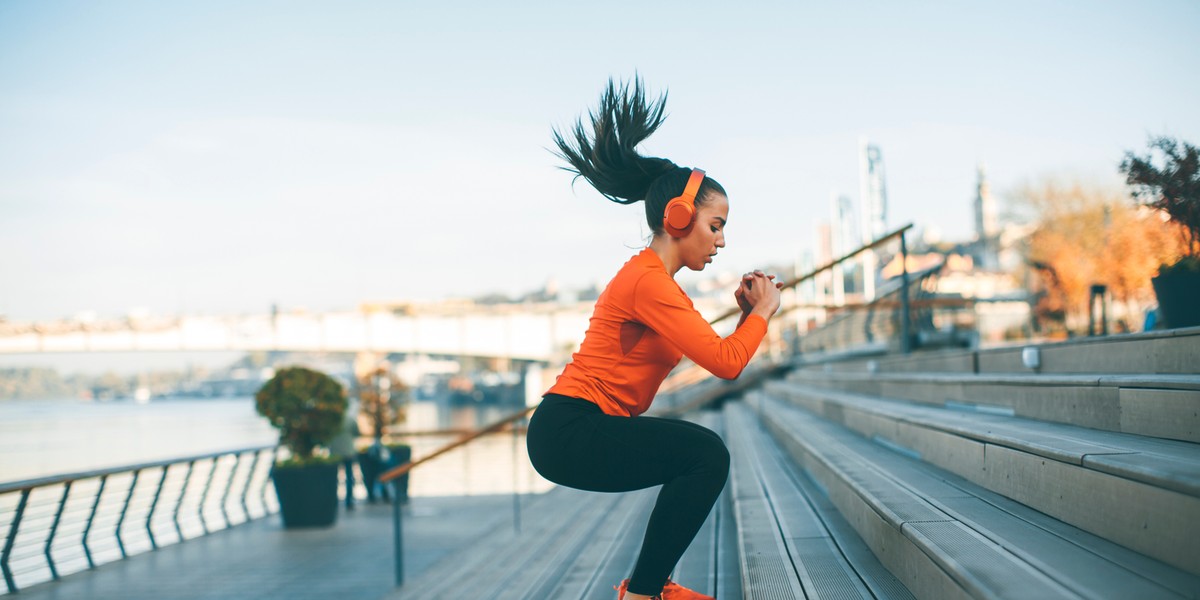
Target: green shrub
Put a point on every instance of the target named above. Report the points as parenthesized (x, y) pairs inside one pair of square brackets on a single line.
[(306, 407)]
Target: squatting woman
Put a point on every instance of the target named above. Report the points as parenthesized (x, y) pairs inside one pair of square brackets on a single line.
[(588, 433)]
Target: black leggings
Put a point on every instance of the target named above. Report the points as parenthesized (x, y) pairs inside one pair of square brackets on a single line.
[(573, 443)]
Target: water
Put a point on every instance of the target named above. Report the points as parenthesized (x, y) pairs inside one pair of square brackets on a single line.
[(40, 438)]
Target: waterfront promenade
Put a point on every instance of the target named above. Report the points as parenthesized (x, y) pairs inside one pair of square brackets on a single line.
[(260, 559)]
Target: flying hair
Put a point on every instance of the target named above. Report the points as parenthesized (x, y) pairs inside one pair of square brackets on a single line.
[(608, 159)]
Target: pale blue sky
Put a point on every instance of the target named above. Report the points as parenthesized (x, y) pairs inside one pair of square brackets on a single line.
[(220, 156)]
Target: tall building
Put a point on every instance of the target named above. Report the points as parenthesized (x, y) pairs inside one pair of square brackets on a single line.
[(872, 191), (844, 239), (873, 195), (987, 228), (824, 254), (986, 225), (845, 230)]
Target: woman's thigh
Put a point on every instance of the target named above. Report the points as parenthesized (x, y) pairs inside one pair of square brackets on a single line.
[(605, 453)]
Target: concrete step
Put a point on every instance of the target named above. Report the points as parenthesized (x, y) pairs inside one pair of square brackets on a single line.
[(1173, 351), (1165, 406), (787, 548), (946, 537), (1141, 492)]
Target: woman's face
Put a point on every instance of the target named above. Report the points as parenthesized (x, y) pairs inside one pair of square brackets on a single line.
[(698, 247)]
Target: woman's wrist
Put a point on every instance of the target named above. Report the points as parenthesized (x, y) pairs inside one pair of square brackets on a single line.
[(761, 311)]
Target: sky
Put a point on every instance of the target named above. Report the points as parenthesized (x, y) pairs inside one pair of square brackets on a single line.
[(219, 157)]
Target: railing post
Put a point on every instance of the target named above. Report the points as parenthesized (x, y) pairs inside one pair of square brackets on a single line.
[(397, 532), (187, 480), (466, 469), (12, 537), (62, 503), (212, 471), (92, 517), (237, 461), (516, 490), (246, 488), (867, 333), (267, 479), (153, 505), (1098, 291), (125, 509), (905, 334)]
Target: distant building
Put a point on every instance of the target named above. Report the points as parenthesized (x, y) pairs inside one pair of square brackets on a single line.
[(873, 195), (844, 239), (824, 281), (872, 192), (986, 248), (986, 224)]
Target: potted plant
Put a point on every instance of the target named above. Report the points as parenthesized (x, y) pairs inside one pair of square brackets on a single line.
[(1168, 179), (307, 407), (382, 397)]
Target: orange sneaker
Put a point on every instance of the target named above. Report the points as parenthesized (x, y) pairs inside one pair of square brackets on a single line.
[(621, 589), (674, 591), (671, 591)]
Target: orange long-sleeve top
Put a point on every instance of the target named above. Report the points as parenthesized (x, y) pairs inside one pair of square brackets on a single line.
[(642, 325)]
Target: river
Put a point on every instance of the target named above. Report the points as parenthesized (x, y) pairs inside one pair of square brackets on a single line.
[(40, 438)]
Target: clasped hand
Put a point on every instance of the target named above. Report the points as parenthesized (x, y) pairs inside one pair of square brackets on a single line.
[(758, 293)]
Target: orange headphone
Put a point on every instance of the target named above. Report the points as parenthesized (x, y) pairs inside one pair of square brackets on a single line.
[(677, 218)]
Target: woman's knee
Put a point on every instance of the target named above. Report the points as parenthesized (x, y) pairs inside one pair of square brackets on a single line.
[(714, 456)]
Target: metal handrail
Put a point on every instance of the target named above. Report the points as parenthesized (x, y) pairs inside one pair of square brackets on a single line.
[(791, 283), (119, 515), (15, 486)]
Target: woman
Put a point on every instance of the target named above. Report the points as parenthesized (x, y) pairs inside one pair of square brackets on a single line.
[(587, 434)]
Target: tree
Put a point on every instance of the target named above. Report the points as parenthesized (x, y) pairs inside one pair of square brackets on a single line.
[(1173, 187), (1087, 235), (306, 406), (382, 397)]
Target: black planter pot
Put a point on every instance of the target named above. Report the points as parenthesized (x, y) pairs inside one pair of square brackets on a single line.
[(1178, 292), (374, 463), (307, 495)]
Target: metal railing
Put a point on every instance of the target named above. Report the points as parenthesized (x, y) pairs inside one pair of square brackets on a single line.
[(68, 523)]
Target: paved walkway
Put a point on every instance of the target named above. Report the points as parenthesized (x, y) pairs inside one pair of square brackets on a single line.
[(262, 560)]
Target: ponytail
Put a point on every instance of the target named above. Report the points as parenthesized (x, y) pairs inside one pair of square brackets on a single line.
[(609, 160)]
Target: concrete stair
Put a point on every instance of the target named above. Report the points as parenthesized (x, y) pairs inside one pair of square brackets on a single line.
[(982, 478)]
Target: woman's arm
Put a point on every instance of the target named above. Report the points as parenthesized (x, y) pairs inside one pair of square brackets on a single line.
[(661, 305)]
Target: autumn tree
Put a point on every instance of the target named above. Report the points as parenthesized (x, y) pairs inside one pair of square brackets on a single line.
[(1168, 180), (1086, 235), (382, 398)]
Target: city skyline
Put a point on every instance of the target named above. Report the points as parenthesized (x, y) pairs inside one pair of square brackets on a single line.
[(219, 158)]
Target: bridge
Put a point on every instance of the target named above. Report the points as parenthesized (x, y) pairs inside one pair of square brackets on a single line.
[(541, 332)]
